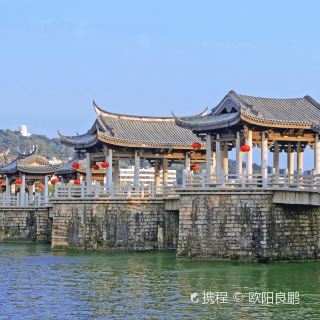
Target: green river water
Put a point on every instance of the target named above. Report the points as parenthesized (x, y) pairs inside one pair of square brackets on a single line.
[(39, 283)]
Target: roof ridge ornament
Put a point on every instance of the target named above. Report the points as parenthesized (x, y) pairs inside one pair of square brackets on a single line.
[(102, 112), (313, 101), (195, 116), (6, 152), (33, 149), (97, 109)]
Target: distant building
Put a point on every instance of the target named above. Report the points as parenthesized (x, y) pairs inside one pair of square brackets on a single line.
[(146, 175), (24, 131)]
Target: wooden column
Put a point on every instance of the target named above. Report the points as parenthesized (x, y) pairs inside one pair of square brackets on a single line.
[(249, 153), (316, 154), (276, 159), (290, 160), (13, 188), (88, 173), (30, 194), (264, 157), (8, 191), (116, 174), (109, 170), (208, 158), (188, 161), (136, 176), (46, 189), (157, 175), (299, 158), (238, 156), (213, 163), (218, 159), (187, 169), (165, 172), (23, 191), (105, 152), (225, 158)]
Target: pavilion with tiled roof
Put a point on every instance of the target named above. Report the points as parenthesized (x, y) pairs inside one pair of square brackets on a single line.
[(116, 136), (243, 122), (29, 168), (30, 164)]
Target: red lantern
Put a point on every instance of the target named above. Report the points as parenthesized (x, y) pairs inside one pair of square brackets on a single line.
[(77, 182), (76, 165), (196, 145), (2, 182), (41, 187), (195, 167), (54, 181), (95, 167), (19, 181), (105, 165), (245, 148)]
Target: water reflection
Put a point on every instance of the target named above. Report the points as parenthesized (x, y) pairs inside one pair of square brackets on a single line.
[(37, 283)]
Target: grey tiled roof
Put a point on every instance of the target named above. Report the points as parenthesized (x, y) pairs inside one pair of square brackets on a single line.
[(135, 131), (297, 112)]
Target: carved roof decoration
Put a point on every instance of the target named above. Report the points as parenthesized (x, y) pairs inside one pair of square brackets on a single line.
[(4, 158), (134, 131), (268, 112)]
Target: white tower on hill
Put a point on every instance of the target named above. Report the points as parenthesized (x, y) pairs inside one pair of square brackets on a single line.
[(24, 131)]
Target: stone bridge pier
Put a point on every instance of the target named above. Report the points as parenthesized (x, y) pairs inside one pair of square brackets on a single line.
[(114, 224), (247, 225)]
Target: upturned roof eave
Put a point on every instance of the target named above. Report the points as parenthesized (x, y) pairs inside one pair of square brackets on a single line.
[(209, 125), (7, 169), (72, 141)]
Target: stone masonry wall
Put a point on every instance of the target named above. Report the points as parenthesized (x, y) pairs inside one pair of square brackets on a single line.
[(25, 224), (246, 226), (114, 224)]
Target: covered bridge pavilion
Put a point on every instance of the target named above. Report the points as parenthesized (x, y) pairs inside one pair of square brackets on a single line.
[(273, 125), (114, 137), (24, 174)]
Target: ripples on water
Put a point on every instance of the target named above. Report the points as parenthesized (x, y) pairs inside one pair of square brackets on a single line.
[(37, 283)]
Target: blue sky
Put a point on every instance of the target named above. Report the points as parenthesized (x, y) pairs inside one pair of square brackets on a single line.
[(149, 57)]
